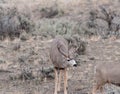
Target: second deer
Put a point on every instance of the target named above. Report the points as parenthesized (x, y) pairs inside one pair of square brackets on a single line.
[(106, 73)]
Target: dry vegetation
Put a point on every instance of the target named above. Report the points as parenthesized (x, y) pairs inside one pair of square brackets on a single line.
[(27, 28)]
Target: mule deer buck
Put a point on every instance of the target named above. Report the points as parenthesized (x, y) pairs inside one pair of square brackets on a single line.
[(106, 73), (62, 58)]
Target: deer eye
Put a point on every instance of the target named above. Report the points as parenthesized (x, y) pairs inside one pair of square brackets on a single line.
[(68, 60)]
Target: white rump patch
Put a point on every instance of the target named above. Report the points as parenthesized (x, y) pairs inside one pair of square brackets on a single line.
[(72, 62)]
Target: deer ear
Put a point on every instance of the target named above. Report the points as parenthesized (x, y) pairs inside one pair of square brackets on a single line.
[(68, 38)]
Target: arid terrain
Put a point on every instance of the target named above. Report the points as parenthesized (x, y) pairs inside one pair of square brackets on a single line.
[(80, 81), (27, 28)]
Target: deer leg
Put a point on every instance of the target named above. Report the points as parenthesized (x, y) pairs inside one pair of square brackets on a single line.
[(95, 88), (59, 80), (65, 81), (101, 90), (56, 81), (94, 91)]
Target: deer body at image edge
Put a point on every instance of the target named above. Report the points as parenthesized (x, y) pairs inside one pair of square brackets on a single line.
[(106, 73)]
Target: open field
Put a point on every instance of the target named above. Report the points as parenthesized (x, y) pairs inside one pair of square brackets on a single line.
[(80, 81), (28, 26)]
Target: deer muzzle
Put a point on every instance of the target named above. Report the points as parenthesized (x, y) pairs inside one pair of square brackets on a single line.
[(72, 63)]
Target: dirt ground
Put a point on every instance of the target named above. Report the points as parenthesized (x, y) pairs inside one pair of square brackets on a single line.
[(80, 78)]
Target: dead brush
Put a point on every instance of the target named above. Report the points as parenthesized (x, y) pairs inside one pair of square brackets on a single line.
[(47, 73), (12, 23), (26, 74), (25, 70), (105, 21)]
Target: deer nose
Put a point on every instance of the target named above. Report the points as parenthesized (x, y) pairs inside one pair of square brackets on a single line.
[(75, 65)]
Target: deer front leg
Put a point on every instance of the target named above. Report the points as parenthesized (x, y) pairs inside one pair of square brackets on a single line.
[(65, 81), (94, 90), (59, 80), (56, 81)]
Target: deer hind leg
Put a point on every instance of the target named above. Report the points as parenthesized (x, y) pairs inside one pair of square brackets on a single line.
[(65, 81), (56, 80), (59, 79), (98, 87), (101, 90)]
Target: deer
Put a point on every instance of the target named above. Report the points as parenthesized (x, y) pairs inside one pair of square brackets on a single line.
[(106, 73), (61, 55)]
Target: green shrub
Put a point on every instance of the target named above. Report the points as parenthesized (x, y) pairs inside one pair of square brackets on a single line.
[(12, 23), (53, 27)]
